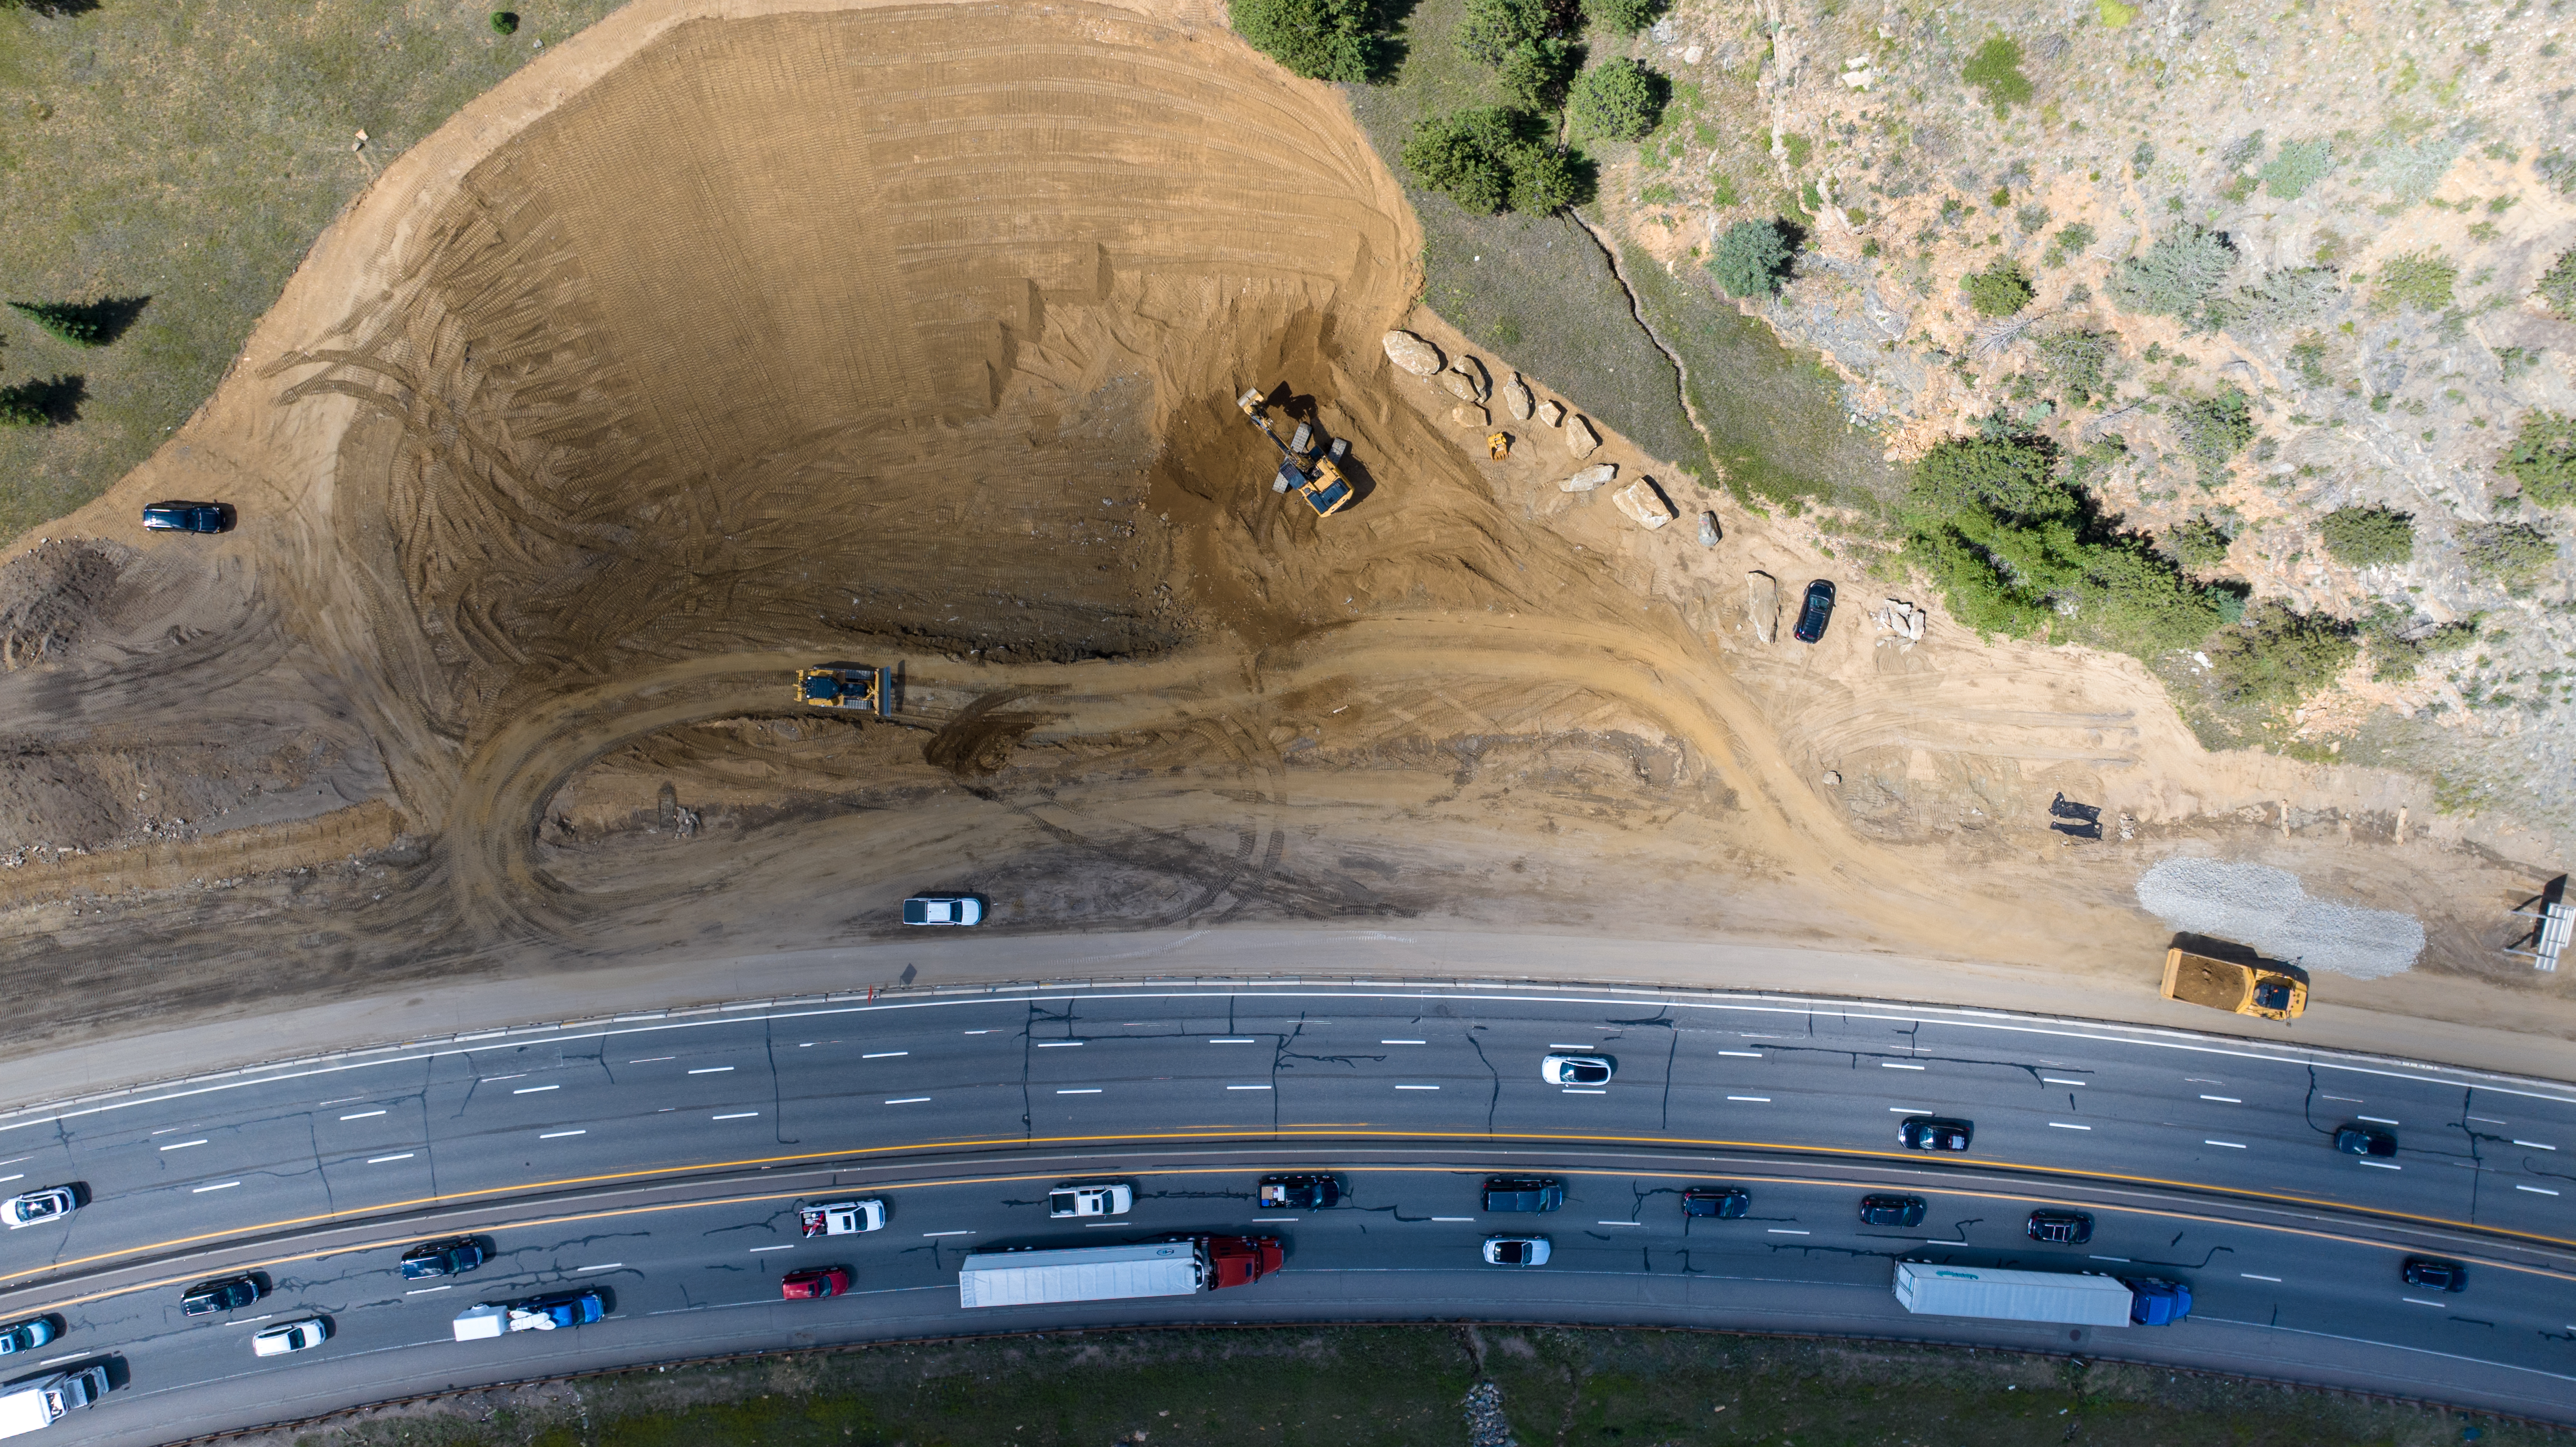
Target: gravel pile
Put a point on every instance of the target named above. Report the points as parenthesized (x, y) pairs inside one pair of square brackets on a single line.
[(1486, 1424), (2263, 907)]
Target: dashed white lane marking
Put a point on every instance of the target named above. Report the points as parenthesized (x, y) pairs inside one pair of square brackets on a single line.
[(651, 1059), (533, 1089), (2224, 1099), (1743, 1054), (2536, 1190), (2053, 1080), (1247, 1087), (2121, 1260), (1559, 1045), (1060, 1044), (908, 1100), (2380, 1165), (1417, 1087), (2346, 1099), (1784, 1231), (2376, 1119), (979, 1032), (2483, 1119), (183, 1145), (1618, 1223), (2536, 1145), (380, 1160), (737, 1115), (217, 1186), (1752, 1099), (2065, 1125), (928, 1235), (1081, 1090), (557, 1135), (427, 1290), (1579, 1090), (884, 1054), (1910, 1109), (756, 1250), (2419, 1301), (2231, 1145), (1892, 1065), (1235, 1040), (51, 1361), (363, 1115), (497, 1079), (711, 1070), (1275, 1220), (2250, 1276), (1404, 1042), (603, 1266), (20, 1176), (1453, 1218)]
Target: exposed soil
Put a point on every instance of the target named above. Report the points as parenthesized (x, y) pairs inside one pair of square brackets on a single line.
[(910, 333)]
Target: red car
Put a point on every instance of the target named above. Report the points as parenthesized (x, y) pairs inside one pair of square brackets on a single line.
[(814, 1283)]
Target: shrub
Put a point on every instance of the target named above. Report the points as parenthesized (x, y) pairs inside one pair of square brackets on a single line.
[(2419, 279), (1619, 99), (1752, 259), (1996, 70), (2399, 642), (2077, 363), (2366, 537), (2300, 165), (1522, 43), (2198, 544), (1318, 39), (1623, 17), (505, 22), (2289, 297), (2176, 276), (1999, 290), (2241, 151), (2278, 655), (2214, 430), (2070, 240), (49, 403), (2510, 555), (2543, 458), (1544, 180), (2558, 285), (83, 326), (1487, 160)]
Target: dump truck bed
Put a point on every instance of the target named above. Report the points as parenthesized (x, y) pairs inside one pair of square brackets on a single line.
[(2200, 980)]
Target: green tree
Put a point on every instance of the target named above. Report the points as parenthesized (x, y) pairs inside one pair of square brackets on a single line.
[(1318, 39), (1519, 40), (1623, 17), (1752, 259), (2510, 555), (1999, 290), (2543, 458), (80, 324), (2558, 285), (1464, 155), (2176, 276), (1544, 180), (2078, 363), (2278, 655), (2368, 537), (1996, 70), (2419, 279), (2214, 430), (2198, 544), (1619, 99)]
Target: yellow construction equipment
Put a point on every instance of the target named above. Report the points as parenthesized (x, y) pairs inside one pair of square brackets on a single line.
[(858, 686), (2273, 992), (1316, 475)]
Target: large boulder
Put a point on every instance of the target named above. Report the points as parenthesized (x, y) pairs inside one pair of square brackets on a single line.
[(1473, 370), (1551, 412), (1460, 386), (1708, 534), (1762, 603), (1414, 354), (1580, 439), (1516, 397), (1468, 414), (1644, 503), (1589, 478)]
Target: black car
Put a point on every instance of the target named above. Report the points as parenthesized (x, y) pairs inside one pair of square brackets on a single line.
[(2361, 1140), (1932, 1133), (452, 1257), (1817, 611), (1300, 1193), (1726, 1203), (2436, 1275), (1513, 1193), (2060, 1228), (1891, 1210), (224, 1293), (185, 517)]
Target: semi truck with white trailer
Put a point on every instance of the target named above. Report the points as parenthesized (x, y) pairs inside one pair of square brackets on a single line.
[(40, 1402), (1179, 1267), (2074, 1298)]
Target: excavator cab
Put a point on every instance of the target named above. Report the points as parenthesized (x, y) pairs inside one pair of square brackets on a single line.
[(1314, 475)]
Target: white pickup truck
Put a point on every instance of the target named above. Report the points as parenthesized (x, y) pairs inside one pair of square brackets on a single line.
[(842, 1218), (30, 1405)]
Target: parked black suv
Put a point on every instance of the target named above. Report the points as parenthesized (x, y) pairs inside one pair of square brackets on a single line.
[(185, 517), (452, 1257), (224, 1293), (1726, 1203), (1891, 1210), (2060, 1228), (1817, 611), (1515, 1193)]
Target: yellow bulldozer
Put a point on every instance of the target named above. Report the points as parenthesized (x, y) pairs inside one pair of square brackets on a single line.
[(857, 686)]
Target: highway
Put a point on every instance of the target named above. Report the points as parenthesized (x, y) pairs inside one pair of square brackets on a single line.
[(662, 1160)]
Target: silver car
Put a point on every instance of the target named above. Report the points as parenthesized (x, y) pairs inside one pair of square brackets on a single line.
[(37, 1207), (1516, 1251), (293, 1336), (1577, 1069)]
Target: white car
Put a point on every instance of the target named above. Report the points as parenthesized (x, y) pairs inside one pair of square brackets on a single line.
[(943, 909), (842, 1218), (1577, 1069), (294, 1336), (1101, 1200), (36, 1207), (1515, 1251)]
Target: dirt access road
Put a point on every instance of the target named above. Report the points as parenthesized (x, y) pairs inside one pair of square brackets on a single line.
[(734, 337)]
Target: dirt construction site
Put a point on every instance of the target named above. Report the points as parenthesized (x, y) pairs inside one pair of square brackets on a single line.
[(732, 338)]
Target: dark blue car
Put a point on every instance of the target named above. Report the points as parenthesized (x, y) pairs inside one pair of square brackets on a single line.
[(184, 517), (1819, 611)]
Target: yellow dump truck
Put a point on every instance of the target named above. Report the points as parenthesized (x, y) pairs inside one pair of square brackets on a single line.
[(2274, 994)]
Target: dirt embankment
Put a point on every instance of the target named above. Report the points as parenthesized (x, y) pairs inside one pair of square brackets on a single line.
[(911, 334)]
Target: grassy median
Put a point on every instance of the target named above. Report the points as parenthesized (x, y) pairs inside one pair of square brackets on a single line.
[(1357, 1387)]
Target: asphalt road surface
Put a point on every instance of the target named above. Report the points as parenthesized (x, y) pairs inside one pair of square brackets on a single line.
[(662, 1160)]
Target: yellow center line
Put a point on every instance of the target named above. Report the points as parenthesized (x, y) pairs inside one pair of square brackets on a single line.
[(1282, 1133)]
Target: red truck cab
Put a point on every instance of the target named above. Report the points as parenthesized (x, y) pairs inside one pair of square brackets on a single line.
[(1241, 1260)]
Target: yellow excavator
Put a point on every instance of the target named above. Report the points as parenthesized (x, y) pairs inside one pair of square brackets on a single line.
[(1316, 475)]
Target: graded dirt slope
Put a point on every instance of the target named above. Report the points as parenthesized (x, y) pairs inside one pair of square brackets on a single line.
[(737, 337)]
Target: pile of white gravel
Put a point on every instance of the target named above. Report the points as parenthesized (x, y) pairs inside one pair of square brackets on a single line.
[(2257, 905)]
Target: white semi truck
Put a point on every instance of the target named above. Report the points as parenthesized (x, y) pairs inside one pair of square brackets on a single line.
[(26, 1406), (2071, 1297), (1113, 1273)]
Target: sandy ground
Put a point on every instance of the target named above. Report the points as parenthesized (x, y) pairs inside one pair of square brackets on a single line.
[(735, 337)]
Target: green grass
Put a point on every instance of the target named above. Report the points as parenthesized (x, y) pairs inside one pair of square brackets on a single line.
[(1400, 1387), (190, 152)]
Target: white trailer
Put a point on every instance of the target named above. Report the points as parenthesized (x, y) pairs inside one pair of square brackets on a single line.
[(39, 1403), (2074, 1298), (1085, 1273)]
